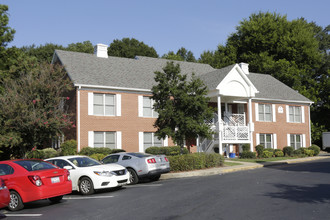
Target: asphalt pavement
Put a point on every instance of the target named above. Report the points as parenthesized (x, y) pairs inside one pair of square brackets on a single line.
[(236, 168)]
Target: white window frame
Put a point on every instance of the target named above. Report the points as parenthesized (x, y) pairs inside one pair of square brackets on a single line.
[(154, 114), (272, 145), (295, 141), (141, 141), (264, 113), (294, 115), (118, 138), (117, 104)]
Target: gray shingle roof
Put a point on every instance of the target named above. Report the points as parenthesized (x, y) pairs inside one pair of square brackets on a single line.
[(87, 69), (271, 88), (136, 73)]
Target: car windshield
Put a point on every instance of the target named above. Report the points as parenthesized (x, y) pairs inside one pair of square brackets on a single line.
[(33, 165), (84, 161), (140, 155)]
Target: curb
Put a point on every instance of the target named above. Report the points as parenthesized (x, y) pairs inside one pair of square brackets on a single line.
[(243, 167)]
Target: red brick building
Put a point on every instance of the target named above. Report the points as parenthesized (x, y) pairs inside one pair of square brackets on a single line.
[(113, 106)]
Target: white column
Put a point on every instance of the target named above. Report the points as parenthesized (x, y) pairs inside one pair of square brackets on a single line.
[(251, 125), (219, 124)]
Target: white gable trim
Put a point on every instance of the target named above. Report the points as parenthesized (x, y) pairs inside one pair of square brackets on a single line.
[(236, 83)]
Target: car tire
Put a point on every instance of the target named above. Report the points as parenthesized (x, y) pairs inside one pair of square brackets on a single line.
[(15, 201), (56, 199), (155, 178), (86, 186), (133, 177)]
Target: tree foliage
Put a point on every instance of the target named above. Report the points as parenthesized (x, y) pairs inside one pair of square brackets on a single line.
[(32, 109), (295, 52), (181, 55), (182, 105), (129, 48)]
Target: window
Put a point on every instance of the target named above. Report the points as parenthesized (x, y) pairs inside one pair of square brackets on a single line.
[(150, 139), (295, 141), (104, 104), (295, 114), (126, 157), (59, 163), (105, 139), (265, 112), (266, 140), (146, 107), (5, 169), (111, 159)]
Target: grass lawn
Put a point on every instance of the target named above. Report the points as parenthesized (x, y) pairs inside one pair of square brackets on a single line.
[(228, 164), (263, 159)]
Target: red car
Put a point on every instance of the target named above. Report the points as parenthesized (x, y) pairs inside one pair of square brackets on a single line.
[(31, 180), (4, 194)]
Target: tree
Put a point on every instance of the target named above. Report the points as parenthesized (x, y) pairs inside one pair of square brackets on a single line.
[(291, 51), (84, 47), (181, 55), (32, 109), (6, 34), (182, 106), (43, 53), (130, 47)]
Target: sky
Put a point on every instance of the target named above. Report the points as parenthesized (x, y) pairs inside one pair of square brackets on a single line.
[(197, 25)]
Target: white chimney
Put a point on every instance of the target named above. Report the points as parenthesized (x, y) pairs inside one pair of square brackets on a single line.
[(244, 67), (101, 50)]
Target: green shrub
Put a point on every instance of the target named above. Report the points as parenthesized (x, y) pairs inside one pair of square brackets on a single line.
[(168, 151), (307, 152), (288, 151), (246, 147), (195, 161), (42, 154), (260, 149), (278, 153), (299, 152), (88, 151), (98, 156), (267, 154), (248, 155), (316, 149), (69, 148)]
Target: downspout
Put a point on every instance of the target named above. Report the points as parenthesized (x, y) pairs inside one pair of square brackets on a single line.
[(78, 118), (251, 125), (219, 124)]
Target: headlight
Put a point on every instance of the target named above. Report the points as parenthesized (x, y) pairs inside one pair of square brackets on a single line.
[(104, 173)]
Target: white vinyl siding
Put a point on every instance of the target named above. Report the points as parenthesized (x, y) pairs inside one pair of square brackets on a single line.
[(100, 104), (145, 107)]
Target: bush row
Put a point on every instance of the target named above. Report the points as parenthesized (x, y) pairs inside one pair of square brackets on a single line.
[(168, 151), (195, 161)]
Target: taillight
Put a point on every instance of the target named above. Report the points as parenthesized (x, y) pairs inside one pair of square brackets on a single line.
[(152, 160), (36, 180), (166, 159), (68, 175)]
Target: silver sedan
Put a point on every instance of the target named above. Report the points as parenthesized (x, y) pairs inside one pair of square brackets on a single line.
[(140, 165)]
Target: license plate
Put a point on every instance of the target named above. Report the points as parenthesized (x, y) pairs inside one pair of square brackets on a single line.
[(55, 180)]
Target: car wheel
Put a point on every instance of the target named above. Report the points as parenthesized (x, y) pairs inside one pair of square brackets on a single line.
[(56, 199), (86, 186), (133, 177), (15, 201), (155, 178)]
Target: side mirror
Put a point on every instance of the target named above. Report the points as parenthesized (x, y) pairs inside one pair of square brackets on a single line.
[(68, 167)]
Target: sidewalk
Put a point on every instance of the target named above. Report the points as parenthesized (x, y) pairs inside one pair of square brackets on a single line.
[(244, 166)]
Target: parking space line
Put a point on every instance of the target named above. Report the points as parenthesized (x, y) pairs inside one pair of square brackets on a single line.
[(23, 215), (89, 197), (143, 185)]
